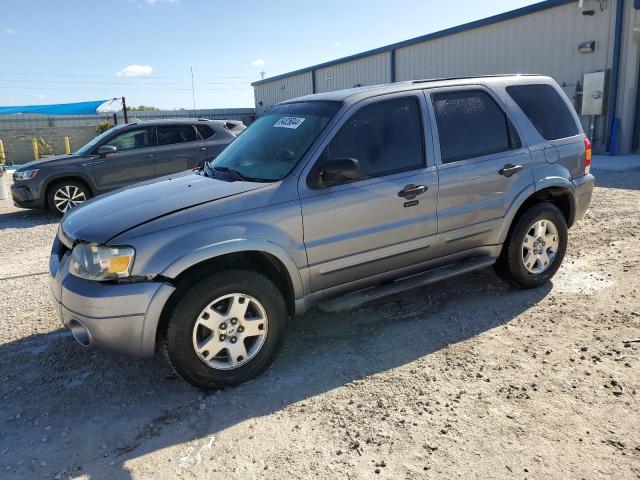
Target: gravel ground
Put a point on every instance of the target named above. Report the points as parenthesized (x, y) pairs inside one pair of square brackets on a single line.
[(463, 379)]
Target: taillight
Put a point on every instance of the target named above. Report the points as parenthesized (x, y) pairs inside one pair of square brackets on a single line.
[(587, 155)]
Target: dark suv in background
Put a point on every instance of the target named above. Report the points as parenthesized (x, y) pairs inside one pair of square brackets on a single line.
[(119, 157)]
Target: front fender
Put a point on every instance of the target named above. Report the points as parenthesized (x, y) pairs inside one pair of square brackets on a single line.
[(237, 245)]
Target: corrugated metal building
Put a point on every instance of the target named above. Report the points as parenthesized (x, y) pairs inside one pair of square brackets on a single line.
[(553, 38)]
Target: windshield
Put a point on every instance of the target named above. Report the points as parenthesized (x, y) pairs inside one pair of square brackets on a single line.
[(270, 148), (86, 148)]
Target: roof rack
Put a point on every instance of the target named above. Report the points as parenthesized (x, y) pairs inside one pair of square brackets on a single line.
[(467, 77)]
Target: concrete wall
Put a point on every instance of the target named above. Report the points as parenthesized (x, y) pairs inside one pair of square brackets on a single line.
[(18, 148)]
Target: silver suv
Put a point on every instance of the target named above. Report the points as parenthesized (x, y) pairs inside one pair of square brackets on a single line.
[(332, 199)]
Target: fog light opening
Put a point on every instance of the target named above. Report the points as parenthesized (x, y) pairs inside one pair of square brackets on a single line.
[(80, 333)]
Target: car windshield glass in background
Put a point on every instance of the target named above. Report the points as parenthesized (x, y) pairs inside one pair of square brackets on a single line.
[(131, 140), (546, 109), (170, 134), (86, 148), (275, 142)]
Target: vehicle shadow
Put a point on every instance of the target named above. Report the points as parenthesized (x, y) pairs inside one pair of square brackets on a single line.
[(103, 410), (27, 218)]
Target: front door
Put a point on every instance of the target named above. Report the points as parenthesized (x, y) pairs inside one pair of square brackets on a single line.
[(386, 220), (178, 148), (131, 163), (482, 167)]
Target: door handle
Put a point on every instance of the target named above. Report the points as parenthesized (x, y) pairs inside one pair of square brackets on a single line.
[(412, 191), (147, 155), (509, 169), (203, 149)]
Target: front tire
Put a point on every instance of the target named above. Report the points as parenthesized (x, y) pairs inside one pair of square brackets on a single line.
[(535, 247), (226, 329), (65, 195)]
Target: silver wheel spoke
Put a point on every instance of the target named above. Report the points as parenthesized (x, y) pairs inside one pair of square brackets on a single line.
[(237, 353), (211, 346), (253, 328), (238, 307)]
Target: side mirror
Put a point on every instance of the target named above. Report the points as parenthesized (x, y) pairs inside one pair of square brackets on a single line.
[(105, 150), (339, 170)]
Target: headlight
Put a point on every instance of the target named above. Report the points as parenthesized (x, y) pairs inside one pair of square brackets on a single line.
[(101, 263), (24, 175)]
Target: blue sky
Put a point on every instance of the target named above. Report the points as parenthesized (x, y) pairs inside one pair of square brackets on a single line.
[(56, 52)]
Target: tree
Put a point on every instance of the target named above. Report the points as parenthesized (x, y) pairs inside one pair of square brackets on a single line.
[(142, 108)]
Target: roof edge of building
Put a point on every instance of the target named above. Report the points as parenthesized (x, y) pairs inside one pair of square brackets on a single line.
[(501, 17)]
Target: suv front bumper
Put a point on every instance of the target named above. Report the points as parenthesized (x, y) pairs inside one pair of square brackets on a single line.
[(122, 317)]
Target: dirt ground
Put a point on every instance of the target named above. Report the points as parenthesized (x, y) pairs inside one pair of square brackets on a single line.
[(465, 379)]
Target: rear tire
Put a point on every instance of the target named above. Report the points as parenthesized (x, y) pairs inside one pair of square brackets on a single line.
[(226, 329), (535, 247), (67, 194)]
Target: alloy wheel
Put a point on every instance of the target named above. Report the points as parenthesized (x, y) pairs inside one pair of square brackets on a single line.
[(67, 197), (540, 246), (230, 331)]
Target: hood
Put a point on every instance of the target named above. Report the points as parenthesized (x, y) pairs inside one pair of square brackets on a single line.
[(45, 161), (104, 217)]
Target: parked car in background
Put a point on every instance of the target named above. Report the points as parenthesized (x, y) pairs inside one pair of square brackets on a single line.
[(335, 198), (121, 156)]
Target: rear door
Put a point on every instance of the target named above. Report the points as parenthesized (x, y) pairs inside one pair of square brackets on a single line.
[(131, 163), (482, 166), (359, 230), (178, 148)]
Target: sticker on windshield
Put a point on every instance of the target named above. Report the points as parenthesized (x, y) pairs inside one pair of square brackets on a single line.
[(289, 122)]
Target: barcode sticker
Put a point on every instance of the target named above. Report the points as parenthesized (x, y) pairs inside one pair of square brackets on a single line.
[(289, 122)]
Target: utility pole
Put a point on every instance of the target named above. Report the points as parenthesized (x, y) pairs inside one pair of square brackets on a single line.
[(193, 92), (124, 109), (262, 75)]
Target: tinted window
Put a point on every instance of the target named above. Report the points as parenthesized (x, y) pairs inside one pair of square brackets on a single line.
[(471, 124), (176, 134), (385, 137), (205, 131), (131, 140), (546, 109)]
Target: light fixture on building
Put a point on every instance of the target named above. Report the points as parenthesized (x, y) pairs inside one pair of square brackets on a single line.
[(587, 47)]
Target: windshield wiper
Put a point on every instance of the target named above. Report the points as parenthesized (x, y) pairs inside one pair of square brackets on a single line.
[(239, 175)]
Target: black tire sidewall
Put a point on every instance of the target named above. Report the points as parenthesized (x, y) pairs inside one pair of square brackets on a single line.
[(52, 191), (178, 341), (515, 266)]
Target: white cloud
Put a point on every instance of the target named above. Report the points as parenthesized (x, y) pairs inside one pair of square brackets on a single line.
[(153, 2), (337, 44), (258, 62), (135, 71), (41, 96), (9, 31)]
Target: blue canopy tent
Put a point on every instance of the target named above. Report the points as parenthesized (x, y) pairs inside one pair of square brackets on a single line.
[(80, 108)]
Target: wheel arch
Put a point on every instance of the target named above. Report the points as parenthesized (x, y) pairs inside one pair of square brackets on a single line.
[(267, 263), (73, 177), (560, 195)]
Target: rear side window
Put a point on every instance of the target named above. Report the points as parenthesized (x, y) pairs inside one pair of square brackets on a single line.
[(385, 138), (546, 109), (471, 124), (171, 134), (205, 131)]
